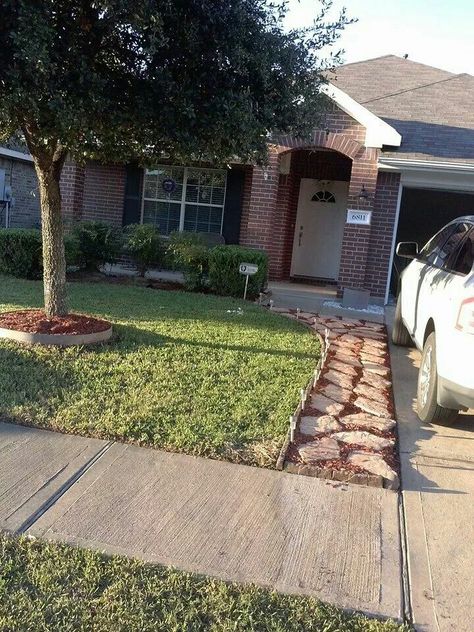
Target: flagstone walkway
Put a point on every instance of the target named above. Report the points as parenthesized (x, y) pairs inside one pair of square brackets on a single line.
[(346, 430)]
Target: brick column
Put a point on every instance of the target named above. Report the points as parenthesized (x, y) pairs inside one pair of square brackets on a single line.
[(258, 220), (381, 236), (356, 240), (72, 192)]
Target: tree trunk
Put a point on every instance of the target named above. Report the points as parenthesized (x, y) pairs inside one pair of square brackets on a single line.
[(54, 259)]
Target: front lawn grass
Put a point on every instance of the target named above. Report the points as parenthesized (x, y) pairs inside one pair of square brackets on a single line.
[(46, 587), (185, 372)]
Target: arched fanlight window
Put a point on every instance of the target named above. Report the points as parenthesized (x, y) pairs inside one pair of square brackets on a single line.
[(324, 196)]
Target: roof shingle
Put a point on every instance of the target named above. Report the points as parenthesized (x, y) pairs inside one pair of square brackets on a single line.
[(432, 109)]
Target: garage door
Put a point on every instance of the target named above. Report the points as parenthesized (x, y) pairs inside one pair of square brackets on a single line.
[(422, 213)]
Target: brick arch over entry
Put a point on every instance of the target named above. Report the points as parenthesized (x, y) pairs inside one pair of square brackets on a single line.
[(321, 140), (267, 213)]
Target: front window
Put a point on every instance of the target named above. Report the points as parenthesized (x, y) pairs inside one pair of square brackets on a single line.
[(193, 200)]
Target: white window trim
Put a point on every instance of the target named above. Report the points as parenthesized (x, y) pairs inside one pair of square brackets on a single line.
[(394, 238), (183, 195)]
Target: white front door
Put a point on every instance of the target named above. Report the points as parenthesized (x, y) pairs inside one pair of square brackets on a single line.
[(319, 229)]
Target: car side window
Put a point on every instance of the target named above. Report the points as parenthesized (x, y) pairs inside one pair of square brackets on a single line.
[(463, 260), (449, 241), (429, 252)]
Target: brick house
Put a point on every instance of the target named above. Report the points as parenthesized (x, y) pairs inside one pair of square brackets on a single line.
[(394, 160), (19, 197)]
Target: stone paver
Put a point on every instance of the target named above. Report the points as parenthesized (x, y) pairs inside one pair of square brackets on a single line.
[(364, 420), (372, 392), (375, 351), (373, 379), (355, 376), (336, 393), (325, 405), (319, 425), (342, 367), (324, 449), (340, 379), (374, 464), (364, 438), (376, 368), (347, 349), (351, 339), (371, 406), (370, 358), (340, 356)]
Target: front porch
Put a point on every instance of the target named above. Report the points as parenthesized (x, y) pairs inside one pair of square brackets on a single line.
[(297, 210)]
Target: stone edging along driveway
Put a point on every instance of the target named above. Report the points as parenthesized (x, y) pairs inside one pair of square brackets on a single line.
[(346, 430)]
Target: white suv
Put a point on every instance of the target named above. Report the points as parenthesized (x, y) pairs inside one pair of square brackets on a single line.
[(435, 308)]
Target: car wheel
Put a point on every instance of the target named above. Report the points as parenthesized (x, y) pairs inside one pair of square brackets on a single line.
[(400, 334), (427, 406)]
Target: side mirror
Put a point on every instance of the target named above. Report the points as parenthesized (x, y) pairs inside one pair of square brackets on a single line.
[(407, 249)]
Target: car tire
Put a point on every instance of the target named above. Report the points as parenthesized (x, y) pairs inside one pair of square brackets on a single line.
[(428, 408), (400, 334)]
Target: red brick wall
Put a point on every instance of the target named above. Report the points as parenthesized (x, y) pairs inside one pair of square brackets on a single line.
[(338, 121), (381, 235), (356, 239), (93, 192), (72, 192), (257, 219), (104, 190)]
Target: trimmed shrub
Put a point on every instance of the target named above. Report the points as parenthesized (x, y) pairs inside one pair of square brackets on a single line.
[(190, 255), (98, 244), (143, 244), (21, 252), (224, 275)]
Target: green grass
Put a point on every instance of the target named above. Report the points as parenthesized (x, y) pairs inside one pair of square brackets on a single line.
[(190, 373), (55, 587)]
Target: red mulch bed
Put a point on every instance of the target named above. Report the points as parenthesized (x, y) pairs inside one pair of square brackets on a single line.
[(34, 321)]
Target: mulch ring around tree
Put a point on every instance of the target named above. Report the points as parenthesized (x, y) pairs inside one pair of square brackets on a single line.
[(347, 429), (35, 321)]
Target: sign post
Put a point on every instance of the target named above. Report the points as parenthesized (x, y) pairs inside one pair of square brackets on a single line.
[(247, 269)]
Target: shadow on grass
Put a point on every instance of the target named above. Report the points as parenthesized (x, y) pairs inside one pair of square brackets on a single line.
[(128, 337), (31, 379)]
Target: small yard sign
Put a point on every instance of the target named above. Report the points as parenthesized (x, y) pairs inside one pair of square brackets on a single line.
[(247, 269), (359, 217)]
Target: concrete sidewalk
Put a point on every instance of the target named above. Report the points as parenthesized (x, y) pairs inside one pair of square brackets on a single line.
[(437, 471), (295, 534)]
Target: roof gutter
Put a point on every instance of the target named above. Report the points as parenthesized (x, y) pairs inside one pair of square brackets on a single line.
[(378, 132), (403, 164)]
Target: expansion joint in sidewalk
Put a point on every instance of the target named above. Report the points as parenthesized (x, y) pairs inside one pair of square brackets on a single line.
[(29, 522)]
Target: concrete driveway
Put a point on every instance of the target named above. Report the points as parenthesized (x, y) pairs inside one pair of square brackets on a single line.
[(437, 476)]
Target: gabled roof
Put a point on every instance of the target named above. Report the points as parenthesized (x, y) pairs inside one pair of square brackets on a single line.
[(431, 108)]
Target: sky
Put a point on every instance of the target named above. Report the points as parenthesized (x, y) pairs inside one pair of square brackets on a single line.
[(435, 32)]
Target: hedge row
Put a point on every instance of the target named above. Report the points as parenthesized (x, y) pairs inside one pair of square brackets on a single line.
[(90, 245), (21, 252)]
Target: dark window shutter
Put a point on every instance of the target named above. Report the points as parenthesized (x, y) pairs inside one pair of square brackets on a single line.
[(233, 205), (133, 195)]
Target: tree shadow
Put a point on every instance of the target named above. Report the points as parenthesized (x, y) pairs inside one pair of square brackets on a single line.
[(27, 381), (129, 337)]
